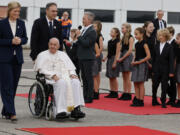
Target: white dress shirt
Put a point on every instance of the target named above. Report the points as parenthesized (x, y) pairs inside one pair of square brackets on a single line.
[(170, 41), (50, 21), (85, 29), (161, 47), (13, 27)]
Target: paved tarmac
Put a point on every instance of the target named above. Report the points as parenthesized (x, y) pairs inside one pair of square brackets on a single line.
[(168, 123)]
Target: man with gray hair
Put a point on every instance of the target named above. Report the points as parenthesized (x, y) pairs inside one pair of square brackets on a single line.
[(159, 23), (86, 55)]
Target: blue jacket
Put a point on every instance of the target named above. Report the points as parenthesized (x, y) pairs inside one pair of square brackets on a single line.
[(6, 47)]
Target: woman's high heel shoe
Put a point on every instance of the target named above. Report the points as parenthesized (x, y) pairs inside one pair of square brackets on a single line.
[(14, 119), (6, 117)]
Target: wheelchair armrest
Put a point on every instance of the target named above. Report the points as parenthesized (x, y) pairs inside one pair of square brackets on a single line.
[(40, 77)]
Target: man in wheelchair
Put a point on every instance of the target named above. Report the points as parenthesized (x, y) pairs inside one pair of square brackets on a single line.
[(60, 73)]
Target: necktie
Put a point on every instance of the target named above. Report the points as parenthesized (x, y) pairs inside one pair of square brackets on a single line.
[(83, 32), (161, 24), (51, 28)]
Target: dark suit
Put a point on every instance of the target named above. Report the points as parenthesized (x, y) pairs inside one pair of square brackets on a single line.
[(11, 60), (74, 58), (86, 57), (40, 36), (163, 65), (156, 25), (172, 91)]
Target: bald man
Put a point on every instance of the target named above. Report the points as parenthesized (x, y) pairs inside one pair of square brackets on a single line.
[(60, 72)]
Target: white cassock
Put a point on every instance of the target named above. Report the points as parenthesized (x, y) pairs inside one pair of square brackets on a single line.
[(67, 92)]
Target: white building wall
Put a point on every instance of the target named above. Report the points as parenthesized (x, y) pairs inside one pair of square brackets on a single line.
[(120, 6)]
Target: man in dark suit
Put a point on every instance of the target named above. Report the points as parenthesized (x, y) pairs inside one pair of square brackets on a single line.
[(43, 29), (159, 23), (163, 68), (86, 55)]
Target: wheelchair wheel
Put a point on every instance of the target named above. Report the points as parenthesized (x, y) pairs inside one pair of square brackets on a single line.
[(37, 100), (49, 112)]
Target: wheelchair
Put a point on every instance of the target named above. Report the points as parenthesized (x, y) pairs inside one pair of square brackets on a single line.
[(41, 98)]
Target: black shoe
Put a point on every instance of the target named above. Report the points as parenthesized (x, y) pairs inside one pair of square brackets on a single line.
[(127, 97), (168, 103), (172, 103), (62, 115), (141, 103), (164, 105), (109, 95), (77, 113), (135, 99), (112, 94), (96, 95), (136, 103), (122, 96), (155, 102), (177, 105), (88, 101)]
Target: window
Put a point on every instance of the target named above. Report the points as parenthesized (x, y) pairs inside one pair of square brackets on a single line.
[(23, 14), (103, 15), (174, 17), (140, 16), (60, 12), (3, 12)]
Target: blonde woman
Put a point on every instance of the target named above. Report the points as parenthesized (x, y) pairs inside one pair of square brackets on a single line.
[(12, 37), (125, 60)]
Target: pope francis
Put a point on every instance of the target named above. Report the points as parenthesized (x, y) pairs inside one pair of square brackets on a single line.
[(60, 72)]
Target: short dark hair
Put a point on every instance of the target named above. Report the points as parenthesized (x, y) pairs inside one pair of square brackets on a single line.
[(48, 5), (171, 30)]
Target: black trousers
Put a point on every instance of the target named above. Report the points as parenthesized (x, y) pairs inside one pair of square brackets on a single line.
[(160, 77), (13, 71), (172, 91), (87, 78), (67, 48), (76, 64)]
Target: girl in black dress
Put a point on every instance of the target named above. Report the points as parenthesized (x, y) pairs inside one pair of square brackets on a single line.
[(112, 67), (150, 39), (126, 60), (98, 62), (140, 67), (177, 56)]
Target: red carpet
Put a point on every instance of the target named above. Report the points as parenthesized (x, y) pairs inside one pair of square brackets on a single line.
[(116, 130), (115, 105)]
